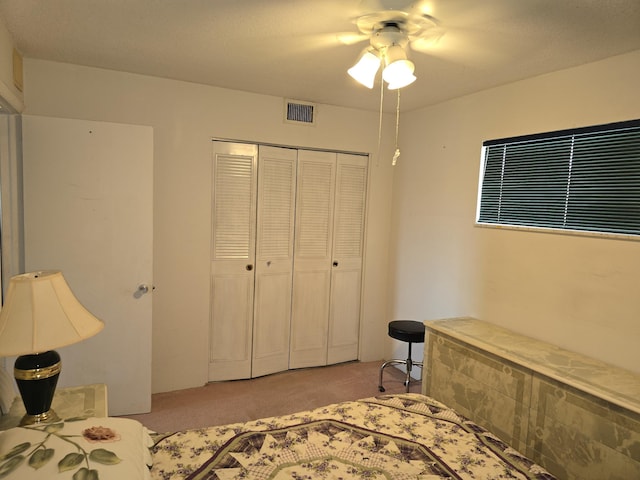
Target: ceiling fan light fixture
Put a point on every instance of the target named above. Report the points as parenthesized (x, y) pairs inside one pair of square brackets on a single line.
[(399, 74), (365, 70)]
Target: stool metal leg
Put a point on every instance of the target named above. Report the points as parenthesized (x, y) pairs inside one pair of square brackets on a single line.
[(409, 364), (384, 365)]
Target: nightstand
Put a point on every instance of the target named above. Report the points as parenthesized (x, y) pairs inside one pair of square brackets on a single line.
[(70, 402)]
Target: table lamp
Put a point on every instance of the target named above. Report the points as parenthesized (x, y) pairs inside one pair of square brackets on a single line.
[(41, 313)]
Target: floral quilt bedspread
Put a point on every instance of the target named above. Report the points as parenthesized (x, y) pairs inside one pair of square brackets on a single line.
[(405, 436)]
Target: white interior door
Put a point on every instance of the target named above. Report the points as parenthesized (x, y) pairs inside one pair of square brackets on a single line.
[(232, 260), (274, 259), (88, 211)]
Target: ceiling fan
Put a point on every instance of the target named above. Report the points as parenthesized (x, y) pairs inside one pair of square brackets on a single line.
[(391, 26)]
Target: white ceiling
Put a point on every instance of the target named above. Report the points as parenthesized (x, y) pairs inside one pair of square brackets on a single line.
[(291, 48)]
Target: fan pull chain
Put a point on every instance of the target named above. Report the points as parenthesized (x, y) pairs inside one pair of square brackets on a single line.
[(380, 121), (397, 152)]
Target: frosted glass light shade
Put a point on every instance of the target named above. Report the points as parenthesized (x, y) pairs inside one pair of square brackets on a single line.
[(399, 74), (365, 70), (41, 313)]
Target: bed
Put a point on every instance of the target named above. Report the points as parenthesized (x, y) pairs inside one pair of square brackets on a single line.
[(402, 436)]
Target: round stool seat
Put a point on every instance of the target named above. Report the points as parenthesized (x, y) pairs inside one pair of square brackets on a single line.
[(407, 331)]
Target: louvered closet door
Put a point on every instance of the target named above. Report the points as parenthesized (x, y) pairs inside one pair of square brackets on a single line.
[(232, 260), (312, 258), (274, 259), (347, 252)]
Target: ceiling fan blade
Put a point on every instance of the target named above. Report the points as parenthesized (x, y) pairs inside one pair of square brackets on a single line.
[(314, 42), (427, 40), (459, 47), (468, 13), (351, 38)]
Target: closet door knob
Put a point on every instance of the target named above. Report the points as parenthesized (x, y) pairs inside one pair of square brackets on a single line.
[(142, 289), (249, 267), (335, 264)]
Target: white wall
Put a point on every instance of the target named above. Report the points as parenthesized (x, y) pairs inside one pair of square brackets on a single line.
[(582, 293), (185, 117), (578, 292)]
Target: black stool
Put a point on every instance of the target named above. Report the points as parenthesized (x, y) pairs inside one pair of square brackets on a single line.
[(408, 331)]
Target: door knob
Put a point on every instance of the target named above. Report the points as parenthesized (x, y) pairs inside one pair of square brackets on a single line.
[(249, 267), (142, 289), (335, 264)]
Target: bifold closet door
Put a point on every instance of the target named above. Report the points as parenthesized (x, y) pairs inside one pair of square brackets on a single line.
[(274, 259), (312, 258), (286, 262), (232, 260), (331, 199), (347, 253)]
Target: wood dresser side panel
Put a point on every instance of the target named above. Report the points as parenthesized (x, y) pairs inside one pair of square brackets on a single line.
[(493, 392)]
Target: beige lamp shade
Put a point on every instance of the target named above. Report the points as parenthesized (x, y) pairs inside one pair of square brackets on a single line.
[(41, 313)]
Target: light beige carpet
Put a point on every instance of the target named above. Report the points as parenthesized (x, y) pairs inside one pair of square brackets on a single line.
[(278, 394)]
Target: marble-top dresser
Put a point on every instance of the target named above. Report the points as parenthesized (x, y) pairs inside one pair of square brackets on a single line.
[(576, 416)]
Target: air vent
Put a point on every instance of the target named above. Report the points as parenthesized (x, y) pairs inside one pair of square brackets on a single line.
[(302, 113)]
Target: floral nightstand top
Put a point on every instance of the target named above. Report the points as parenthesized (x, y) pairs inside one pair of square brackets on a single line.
[(82, 401)]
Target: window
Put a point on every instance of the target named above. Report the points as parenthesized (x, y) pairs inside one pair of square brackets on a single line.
[(585, 179)]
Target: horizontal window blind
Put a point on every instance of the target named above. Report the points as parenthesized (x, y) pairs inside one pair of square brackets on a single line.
[(585, 179)]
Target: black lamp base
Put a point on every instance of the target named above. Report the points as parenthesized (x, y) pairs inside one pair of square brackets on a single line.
[(37, 377)]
